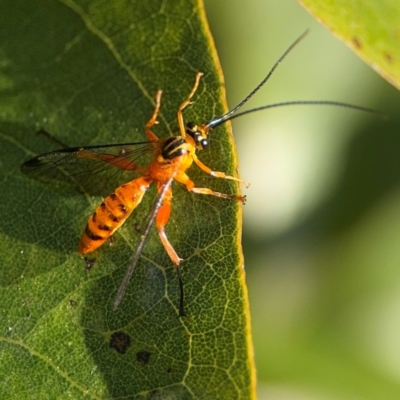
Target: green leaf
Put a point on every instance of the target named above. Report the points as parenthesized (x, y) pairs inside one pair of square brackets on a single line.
[(369, 27), (87, 72)]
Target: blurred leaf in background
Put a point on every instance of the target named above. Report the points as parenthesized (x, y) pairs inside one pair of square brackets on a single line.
[(322, 221), (369, 28)]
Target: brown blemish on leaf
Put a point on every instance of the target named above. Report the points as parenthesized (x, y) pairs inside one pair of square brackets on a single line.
[(143, 357), (72, 303), (111, 240), (137, 227), (356, 42), (389, 58), (120, 342), (89, 262)]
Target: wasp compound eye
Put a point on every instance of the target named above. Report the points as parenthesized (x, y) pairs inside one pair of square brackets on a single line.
[(204, 143)]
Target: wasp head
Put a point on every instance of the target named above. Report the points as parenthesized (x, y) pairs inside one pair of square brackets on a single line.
[(199, 133)]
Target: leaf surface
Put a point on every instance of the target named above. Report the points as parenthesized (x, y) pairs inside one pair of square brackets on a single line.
[(87, 73)]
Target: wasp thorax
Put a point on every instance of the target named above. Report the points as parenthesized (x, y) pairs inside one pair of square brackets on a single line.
[(174, 146), (198, 134)]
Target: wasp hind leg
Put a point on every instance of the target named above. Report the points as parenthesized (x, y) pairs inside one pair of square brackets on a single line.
[(217, 174), (184, 179), (161, 221)]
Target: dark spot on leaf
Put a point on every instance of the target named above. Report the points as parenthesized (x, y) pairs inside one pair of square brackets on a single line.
[(111, 240), (356, 42), (169, 370), (389, 58), (137, 227), (120, 342), (143, 357), (89, 262), (72, 303)]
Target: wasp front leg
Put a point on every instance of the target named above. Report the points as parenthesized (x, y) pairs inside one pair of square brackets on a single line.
[(186, 103), (153, 120)]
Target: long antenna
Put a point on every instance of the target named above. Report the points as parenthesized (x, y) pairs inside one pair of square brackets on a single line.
[(309, 102), (219, 120)]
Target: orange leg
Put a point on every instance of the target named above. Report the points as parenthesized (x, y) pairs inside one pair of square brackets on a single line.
[(186, 103), (153, 120), (184, 179), (162, 220)]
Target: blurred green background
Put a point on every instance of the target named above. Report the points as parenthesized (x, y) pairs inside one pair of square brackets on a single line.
[(322, 223)]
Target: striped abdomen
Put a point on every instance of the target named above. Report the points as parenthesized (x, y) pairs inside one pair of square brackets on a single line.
[(112, 213)]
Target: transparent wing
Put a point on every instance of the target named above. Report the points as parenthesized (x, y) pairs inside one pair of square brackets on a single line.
[(163, 189), (96, 170)]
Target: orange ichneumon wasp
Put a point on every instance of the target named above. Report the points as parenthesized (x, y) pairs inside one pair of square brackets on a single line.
[(171, 158)]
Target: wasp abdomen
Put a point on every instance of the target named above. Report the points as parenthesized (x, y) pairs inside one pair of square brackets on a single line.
[(112, 213)]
